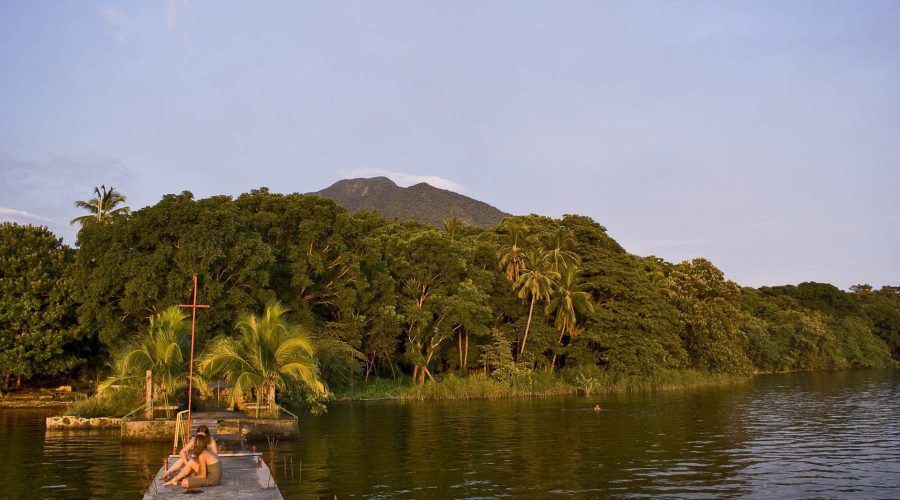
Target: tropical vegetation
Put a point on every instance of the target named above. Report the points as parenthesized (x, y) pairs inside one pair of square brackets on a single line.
[(164, 351), (355, 302), (270, 353), (102, 208)]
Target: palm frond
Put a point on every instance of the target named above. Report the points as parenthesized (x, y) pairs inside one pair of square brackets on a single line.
[(269, 352)]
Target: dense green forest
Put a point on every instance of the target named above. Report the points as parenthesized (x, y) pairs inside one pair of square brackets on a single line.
[(406, 301)]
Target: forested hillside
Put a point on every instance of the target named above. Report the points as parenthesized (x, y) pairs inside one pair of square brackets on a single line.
[(387, 299), (421, 202)]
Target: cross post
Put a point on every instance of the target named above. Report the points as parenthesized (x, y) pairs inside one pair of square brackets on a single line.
[(193, 307)]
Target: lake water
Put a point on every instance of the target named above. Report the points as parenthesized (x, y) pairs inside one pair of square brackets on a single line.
[(827, 435)]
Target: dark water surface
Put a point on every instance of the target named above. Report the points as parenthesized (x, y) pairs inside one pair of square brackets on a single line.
[(829, 435)]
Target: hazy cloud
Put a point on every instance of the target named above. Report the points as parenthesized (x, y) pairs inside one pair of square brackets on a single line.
[(760, 135), (11, 214), (49, 184), (406, 180)]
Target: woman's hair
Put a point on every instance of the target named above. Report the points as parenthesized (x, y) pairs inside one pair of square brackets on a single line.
[(203, 430), (200, 443)]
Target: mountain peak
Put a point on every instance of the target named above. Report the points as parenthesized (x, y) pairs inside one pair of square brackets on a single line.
[(421, 202), (374, 180)]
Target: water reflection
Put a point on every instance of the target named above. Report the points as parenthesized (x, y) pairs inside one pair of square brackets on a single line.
[(35, 463), (790, 436), (833, 435)]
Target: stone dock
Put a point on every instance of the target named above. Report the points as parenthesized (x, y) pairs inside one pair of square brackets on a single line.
[(228, 423), (244, 476)]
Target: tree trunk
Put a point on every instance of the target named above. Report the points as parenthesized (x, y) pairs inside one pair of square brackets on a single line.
[(466, 354), (273, 409), (562, 332), (370, 363), (527, 325), (425, 370), (260, 390), (148, 397)]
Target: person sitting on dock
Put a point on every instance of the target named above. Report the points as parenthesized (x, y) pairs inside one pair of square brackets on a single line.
[(205, 466), (183, 454)]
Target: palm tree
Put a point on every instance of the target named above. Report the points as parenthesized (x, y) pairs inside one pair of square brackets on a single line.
[(452, 225), (270, 353), (164, 351), (560, 244), (512, 257), (568, 301), (102, 207), (536, 281)]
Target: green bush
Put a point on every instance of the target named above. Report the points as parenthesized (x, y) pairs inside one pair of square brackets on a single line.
[(113, 403), (516, 380), (376, 388)]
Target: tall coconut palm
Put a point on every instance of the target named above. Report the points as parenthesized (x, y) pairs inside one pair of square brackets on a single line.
[(102, 207), (535, 282), (452, 225), (512, 256), (270, 353), (560, 245), (568, 301), (164, 351)]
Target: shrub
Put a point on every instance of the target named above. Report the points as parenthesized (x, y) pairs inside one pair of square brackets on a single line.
[(112, 403)]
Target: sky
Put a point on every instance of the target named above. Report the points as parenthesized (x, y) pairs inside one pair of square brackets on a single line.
[(761, 135)]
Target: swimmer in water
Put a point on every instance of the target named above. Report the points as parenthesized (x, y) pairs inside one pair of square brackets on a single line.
[(596, 407)]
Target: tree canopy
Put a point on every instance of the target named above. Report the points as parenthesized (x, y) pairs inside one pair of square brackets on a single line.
[(39, 334), (388, 299)]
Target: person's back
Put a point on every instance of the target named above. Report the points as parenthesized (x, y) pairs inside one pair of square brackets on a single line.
[(210, 457), (205, 466), (208, 471), (183, 458)]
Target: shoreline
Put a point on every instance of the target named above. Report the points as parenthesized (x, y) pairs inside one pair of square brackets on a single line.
[(27, 403), (476, 387), (41, 398), (541, 384)]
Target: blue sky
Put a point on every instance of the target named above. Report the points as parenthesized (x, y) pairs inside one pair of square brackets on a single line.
[(764, 136)]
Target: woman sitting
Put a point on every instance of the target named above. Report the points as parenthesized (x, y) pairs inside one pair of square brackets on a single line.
[(183, 454), (205, 466)]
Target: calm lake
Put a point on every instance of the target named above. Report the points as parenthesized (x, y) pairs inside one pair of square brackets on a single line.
[(824, 435)]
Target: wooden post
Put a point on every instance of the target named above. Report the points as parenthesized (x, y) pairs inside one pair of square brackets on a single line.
[(148, 399), (193, 307)]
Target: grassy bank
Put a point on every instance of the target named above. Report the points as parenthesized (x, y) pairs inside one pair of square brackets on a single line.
[(114, 404), (479, 386), (500, 384)]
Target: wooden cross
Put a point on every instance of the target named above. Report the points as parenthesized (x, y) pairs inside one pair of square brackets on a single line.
[(193, 307)]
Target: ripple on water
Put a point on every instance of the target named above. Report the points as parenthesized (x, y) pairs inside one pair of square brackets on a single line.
[(797, 436)]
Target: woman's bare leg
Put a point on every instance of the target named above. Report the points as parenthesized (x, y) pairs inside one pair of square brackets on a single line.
[(177, 465), (191, 466)]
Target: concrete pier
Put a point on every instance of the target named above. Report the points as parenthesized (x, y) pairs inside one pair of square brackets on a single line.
[(244, 476), (230, 423), (67, 423)]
